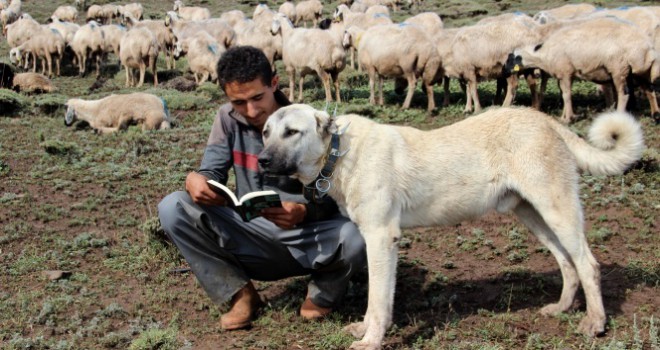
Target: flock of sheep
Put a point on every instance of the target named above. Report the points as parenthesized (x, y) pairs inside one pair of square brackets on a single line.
[(616, 48)]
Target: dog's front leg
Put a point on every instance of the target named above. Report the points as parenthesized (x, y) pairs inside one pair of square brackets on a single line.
[(382, 249)]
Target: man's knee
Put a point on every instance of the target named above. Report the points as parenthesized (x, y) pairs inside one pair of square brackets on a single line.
[(353, 243), (169, 210)]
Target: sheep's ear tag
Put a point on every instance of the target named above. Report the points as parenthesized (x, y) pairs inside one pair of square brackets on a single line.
[(516, 68)]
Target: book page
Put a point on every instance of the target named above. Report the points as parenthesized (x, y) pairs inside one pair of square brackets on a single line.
[(225, 192), (251, 195)]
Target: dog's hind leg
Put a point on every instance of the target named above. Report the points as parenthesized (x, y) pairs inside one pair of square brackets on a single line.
[(561, 231)]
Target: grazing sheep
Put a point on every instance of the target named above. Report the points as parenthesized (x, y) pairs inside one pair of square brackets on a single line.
[(600, 50), (430, 21), (67, 29), (138, 49), (262, 15), (399, 50), (250, 33), (443, 40), (112, 35), (8, 16), (135, 10), (565, 12), (87, 43), (103, 14), (66, 13), (223, 33), (191, 13), (308, 10), (163, 34), (377, 10), (232, 17), (21, 30), (289, 10), (203, 53), (32, 82), (47, 44), (117, 112), (350, 19), (307, 51), (481, 51)]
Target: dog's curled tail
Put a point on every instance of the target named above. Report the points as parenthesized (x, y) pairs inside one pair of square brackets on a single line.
[(616, 141)]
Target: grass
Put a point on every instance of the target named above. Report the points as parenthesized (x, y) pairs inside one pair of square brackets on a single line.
[(80, 202)]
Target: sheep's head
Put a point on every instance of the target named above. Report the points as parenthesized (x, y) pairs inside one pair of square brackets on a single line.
[(177, 5), (179, 50), (275, 27), (170, 17), (70, 116), (16, 56)]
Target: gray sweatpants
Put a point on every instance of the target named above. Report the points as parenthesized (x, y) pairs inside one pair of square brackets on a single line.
[(224, 252)]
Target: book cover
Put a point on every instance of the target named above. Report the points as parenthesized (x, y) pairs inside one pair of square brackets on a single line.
[(250, 205)]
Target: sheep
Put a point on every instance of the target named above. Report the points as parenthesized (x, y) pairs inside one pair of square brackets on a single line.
[(601, 50), (46, 44), (138, 49), (9, 15), (66, 13), (377, 9), (220, 30), (232, 17), (262, 15), (112, 35), (308, 10), (135, 10), (163, 34), (309, 50), (363, 5), (88, 42), (103, 14), (32, 82), (360, 20), (443, 40), (117, 112), (250, 33), (566, 12), (203, 53), (3, 4), (191, 13), (67, 29), (289, 10), (482, 50), (21, 30), (400, 50), (430, 21)]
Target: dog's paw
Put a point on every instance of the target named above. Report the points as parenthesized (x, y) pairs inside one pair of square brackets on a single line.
[(360, 345), (551, 310), (357, 329), (591, 327)]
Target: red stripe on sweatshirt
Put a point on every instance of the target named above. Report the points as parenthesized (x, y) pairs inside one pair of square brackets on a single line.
[(246, 160)]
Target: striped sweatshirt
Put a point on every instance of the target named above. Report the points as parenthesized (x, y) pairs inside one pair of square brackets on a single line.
[(233, 142)]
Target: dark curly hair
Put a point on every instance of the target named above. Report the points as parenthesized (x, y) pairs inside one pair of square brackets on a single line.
[(243, 64)]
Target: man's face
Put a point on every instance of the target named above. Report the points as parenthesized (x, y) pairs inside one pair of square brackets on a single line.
[(253, 100)]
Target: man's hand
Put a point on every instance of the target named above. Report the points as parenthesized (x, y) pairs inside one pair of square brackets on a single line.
[(200, 192), (286, 217)]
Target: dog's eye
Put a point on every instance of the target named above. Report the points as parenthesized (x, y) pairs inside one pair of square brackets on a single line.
[(290, 132), (266, 133)]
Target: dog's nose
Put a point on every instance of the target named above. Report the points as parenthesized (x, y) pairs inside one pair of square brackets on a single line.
[(264, 161)]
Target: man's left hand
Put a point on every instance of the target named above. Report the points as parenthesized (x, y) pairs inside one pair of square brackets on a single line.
[(286, 217)]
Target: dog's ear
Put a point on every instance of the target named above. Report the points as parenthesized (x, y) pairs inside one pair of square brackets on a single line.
[(323, 122)]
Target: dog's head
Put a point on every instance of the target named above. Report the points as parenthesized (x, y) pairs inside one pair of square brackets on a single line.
[(296, 139)]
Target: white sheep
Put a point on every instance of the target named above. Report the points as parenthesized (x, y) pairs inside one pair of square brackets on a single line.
[(112, 35), (135, 10), (377, 10), (21, 30), (263, 15), (32, 82), (308, 10), (87, 43), (250, 33), (47, 44), (350, 19), (232, 17), (117, 112), (203, 53), (430, 21), (565, 12), (400, 50), (307, 51), (10, 14), (289, 10), (600, 49), (164, 35), (481, 51), (3, 4), (66, 13), (191, 13), (223, 33), (67, 29), (138, 49)]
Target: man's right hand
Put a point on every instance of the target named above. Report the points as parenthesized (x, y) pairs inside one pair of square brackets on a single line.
[(200, 192)]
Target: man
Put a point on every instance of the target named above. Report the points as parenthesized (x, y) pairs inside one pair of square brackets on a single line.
[(300, 238)]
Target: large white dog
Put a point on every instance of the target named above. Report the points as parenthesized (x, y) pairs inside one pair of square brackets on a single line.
[(386, 177)]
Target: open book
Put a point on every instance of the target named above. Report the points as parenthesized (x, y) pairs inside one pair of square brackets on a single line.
[(250, 205)]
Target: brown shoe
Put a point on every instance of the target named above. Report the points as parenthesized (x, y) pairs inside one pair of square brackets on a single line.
[(311, 311), (244, 306)]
